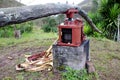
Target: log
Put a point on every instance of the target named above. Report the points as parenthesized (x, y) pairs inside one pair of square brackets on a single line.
[(90, 22), (17, 15)]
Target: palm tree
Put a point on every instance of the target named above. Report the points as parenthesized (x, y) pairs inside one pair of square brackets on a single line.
[(109, 10)]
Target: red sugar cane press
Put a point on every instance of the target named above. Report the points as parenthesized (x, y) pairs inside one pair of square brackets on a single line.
[(71, 32)]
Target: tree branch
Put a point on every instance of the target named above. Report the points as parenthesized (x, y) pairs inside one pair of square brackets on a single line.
[(17, 15)]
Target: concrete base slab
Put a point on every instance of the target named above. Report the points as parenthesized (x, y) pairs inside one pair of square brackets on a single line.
[(74, 57)]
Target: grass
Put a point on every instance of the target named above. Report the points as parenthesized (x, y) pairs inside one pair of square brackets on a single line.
[(105, 54), (106, 57), (28, 76), (71, 74), (34, 42), (35, 35)]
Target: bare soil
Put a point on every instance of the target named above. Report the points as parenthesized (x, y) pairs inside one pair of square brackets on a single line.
[(12, 55)]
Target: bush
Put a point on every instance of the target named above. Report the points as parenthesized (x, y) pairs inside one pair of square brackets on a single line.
[(49, 24), (89, 32), (105, 18), (25, 27), (46, 28), (97, 20), (8, 31)]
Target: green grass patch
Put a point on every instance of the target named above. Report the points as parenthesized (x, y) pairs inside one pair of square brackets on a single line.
[(72, 74), (7, 78), (27, 37)]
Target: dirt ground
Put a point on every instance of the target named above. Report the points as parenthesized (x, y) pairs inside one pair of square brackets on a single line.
[(105, 55), (17, 52)]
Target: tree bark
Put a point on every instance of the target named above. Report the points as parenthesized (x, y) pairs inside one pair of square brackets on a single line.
[(17, 15), (22, 14)]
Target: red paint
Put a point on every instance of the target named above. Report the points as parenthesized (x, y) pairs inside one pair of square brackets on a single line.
[(70, 13), (36, 56), (71, 33)]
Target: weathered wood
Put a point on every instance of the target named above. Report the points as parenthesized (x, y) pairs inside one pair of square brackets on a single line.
[(90, 22), (90, 67), (17, 15), (21, 14), (118, 33)]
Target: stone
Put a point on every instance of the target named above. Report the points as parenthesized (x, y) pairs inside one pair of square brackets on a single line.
[(74, 57), (90, 67)]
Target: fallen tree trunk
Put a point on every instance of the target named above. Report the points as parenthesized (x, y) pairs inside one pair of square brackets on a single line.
[(22, 14), (17, 15)]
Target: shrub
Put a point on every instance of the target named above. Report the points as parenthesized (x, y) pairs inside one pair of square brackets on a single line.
[(25, 27), (8, 31), (49, 24), (89, 32), (46, 28)]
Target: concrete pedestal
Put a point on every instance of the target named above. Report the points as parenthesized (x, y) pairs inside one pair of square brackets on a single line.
[(74, 57)]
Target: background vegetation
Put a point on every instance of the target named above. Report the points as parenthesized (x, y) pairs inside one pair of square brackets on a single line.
[(104, 14), (8, 31), (51, 23)]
